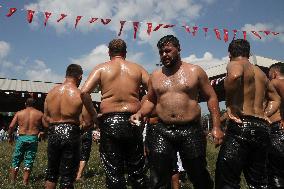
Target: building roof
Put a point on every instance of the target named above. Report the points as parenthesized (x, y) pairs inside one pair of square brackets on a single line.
[(33, 87), (257, 60)]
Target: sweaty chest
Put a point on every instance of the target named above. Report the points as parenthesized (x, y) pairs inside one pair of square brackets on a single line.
[(176, 83)]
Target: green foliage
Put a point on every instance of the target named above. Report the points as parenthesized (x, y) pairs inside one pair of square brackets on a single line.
[(93, 177)]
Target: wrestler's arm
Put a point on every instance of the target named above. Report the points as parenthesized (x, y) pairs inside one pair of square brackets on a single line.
[(87, 89), (12, 127), (45, 117), (273, 99), (86, 119), (147, 106), (212, 103), (145, 78)]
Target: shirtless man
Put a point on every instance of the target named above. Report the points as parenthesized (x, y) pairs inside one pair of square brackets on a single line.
[(120, 143), (247, 138), (276, 153), (174, 91), (30, 124), (62, 109)]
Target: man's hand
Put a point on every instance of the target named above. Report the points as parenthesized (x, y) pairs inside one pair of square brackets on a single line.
[(217, 135), (135, 119)]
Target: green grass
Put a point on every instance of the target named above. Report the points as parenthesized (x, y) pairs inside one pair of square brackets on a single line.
[(93, 176)]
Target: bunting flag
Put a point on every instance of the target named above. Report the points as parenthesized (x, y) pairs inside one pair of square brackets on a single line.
[(121, 27), (187, 29), (235, 33), (77, 20), (266, 32), (30, 15), (205, 31), (245, 35), (149, 28), (11, 12), (106, 21), (93, 20), (217, 33), (256, 34), (62, 16), (226, 35), (158, 27), (47, 15), (275, 33), (169, 26), (195, 28), (135, 27)]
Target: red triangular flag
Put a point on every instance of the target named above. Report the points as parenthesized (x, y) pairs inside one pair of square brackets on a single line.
[(106, 21), (62, 16), (149, 30), (217, 32), (135, 27), (187, 29), (11, 12), (47, 15), (275, 33), (168, 26), (158, 27), (77, 20), (245, 35), (205, 31), (235, 33), (266, 32), (195, 28), (30, 15), (121, 27), (93, 20), (256, 34), (226, 35)]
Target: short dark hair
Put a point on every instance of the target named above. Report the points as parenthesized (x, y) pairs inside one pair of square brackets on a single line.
[(279, 66), (117, 47), (168, 39), (74, 70), (30, 102), (239, 47)]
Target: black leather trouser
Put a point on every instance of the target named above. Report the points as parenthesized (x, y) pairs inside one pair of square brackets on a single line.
[(86, 145), (121, 150), (63, 153), (276, 157), (244, 150), (164, 141)]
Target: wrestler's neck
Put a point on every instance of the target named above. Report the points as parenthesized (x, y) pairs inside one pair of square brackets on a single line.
[(116, 57), (70, 81), (239, 58)]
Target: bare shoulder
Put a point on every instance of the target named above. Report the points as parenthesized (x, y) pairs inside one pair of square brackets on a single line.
[(193, 68)]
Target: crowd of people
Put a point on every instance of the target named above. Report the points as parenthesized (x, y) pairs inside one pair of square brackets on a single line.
[(252, 144)]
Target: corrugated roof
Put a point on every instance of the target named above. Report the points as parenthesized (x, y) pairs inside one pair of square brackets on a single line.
[(33, 87), (257, 60)]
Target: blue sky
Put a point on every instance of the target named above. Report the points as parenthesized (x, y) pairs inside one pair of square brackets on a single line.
[(34, 52)]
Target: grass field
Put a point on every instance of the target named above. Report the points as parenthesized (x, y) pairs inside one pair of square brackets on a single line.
[(93, 176)]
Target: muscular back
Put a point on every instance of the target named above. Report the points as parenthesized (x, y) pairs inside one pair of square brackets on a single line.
[(63, 104), (279, 86), (120, 81), (249, 94), (29, 121)]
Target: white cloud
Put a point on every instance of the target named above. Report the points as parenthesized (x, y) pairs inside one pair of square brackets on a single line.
[(207, 61), (4, 49), (38, 71), (264, 27), (100, 55)]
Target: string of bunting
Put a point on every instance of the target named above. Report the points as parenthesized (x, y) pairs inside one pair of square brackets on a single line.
[(150, 28)]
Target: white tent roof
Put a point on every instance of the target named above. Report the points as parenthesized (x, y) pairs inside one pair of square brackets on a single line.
[(257, 60)]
